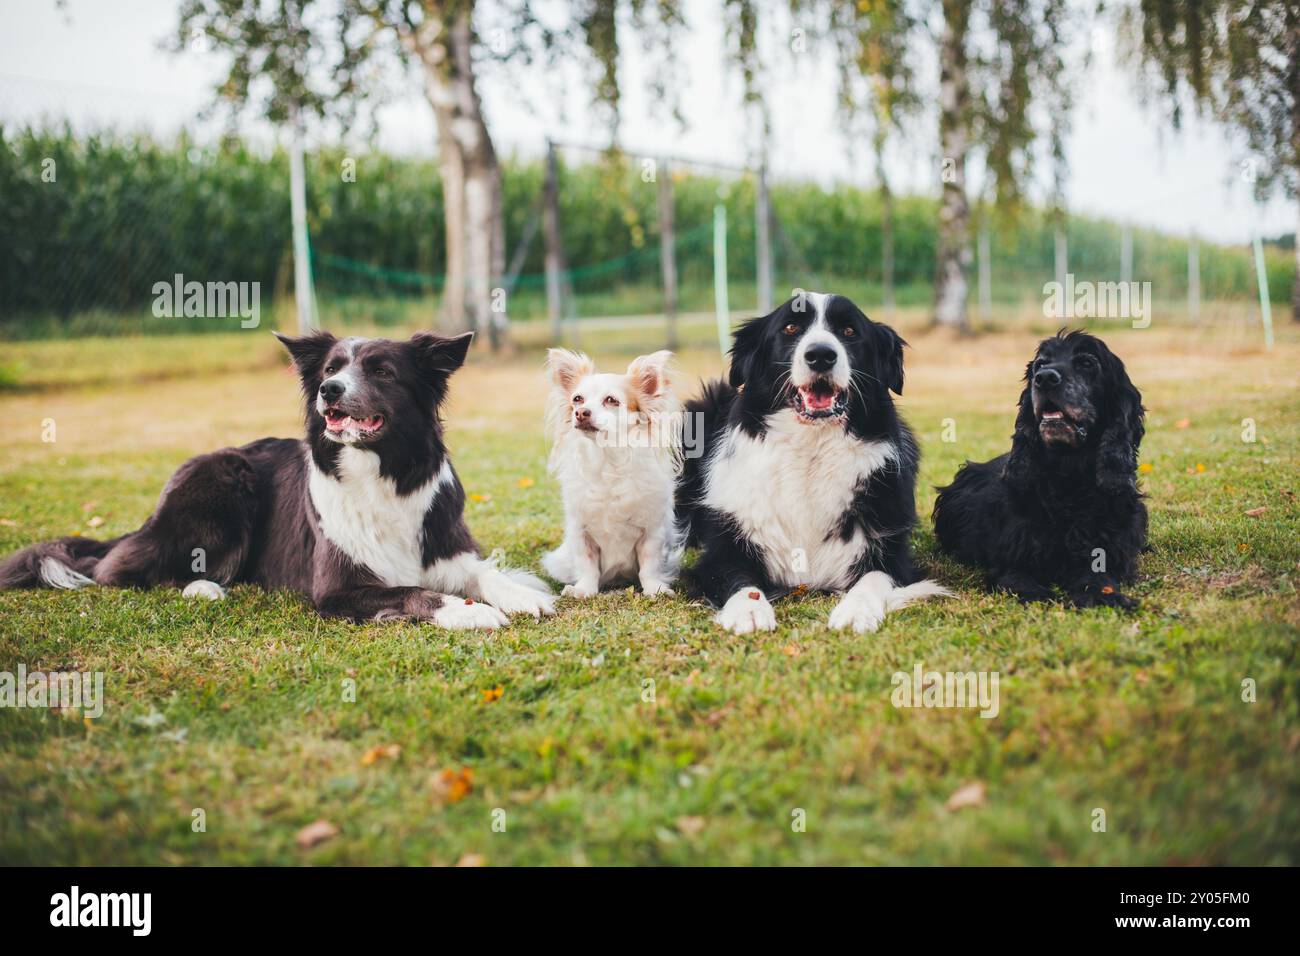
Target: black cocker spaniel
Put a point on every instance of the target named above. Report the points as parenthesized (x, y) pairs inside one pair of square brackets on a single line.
[(1062, 508)]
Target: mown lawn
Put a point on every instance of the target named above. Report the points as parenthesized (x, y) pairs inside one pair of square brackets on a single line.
[(240, 708)]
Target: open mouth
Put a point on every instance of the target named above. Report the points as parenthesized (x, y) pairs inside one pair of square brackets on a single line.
[(1054, 422), (338, 422), (819, 400)]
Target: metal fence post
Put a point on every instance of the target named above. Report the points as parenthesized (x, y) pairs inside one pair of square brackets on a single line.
[(668, 249), (554, 249), (763, 241)]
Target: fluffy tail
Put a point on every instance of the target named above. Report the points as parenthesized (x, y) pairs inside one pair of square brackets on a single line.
[(66, 563), (559, 565), (902, 597), (704, 416)]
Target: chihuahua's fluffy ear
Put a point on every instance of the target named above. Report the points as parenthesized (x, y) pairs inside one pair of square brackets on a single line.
[(567, 368), (649, 373)]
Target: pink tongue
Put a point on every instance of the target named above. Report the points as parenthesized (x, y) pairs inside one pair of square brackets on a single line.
[(818, 400), (337, 424)]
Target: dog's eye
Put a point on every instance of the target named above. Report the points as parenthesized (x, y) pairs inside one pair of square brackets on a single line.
[(331, 369), (611, 401), (792, 329), (383, 371), (577, 399), (848, 332), (1085, 362)]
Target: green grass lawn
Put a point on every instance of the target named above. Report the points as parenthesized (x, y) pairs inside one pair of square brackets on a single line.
[(631, 731)]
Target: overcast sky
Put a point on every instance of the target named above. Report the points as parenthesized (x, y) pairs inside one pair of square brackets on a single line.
[(99, 64)]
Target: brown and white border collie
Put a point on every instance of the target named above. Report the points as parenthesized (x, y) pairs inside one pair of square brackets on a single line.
[(364, 516)]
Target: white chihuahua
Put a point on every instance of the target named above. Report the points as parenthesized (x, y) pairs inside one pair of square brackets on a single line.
[(617, 452)]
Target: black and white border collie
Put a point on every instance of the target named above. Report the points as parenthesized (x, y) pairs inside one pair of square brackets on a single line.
[(364, 516), (808, 477)]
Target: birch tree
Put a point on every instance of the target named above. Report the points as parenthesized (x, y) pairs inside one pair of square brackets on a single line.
[(997, 59), (1239, 62)]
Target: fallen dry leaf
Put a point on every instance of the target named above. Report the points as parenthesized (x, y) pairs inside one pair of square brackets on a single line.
[(525, 482), (95, 522), (970, 795), (1256, 512), (376, 754), (472, 859), (452, 786), (8, 522), (314, 833), (690, 826), (791, 650), (1183, 423)]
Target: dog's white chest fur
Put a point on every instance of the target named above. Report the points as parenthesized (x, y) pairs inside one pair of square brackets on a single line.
[(363, 515), (789, 491), (617, 496)]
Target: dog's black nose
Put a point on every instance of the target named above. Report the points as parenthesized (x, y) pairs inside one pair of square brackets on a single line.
[(820, 358), (332, 391), (1047, 378)]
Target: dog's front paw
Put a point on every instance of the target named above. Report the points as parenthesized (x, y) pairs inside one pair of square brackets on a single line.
[(1106, 596), (747, 611), (514, 598), (459, 614), (579, 591), (209, 590), (656, 588), (861, 612)]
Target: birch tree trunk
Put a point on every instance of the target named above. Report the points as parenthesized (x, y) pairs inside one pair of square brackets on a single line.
[(953, 256), (485, 252), (1293, 81), (471, 174), (452, 166), (886, 228)]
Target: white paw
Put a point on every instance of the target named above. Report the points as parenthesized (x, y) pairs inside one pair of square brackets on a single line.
[(204, 589), (579, 591), (656, 588), (460, 614), (747, 611), (513, 598), (861, 612)]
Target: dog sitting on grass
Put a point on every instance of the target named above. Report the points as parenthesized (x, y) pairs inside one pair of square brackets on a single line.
[(364, 515), (616, 449), (1062, 508)]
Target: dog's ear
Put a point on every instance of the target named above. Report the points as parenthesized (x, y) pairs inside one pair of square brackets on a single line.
[(567, 368), (889, 356), (308, 351), (745, 343), (1121, 436), (649, 373), (1019, 468), (439, 355)]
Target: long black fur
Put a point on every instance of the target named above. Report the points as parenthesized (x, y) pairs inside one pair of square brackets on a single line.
[(1058, 515)]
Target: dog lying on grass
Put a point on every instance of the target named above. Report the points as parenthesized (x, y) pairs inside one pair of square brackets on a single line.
[(808, 478), (1062, 508), (364, 515)]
